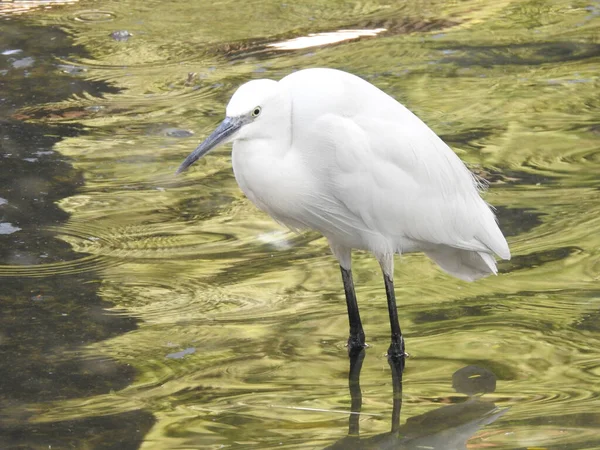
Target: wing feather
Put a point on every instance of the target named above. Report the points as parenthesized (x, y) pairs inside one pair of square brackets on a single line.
[(381, 172), (406, 183)]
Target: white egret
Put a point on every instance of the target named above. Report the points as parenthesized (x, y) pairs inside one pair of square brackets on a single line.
[(325, 150)]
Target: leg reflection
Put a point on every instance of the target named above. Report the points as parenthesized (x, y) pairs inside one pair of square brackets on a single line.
[(397, 366), (356, 361), (448, 427)]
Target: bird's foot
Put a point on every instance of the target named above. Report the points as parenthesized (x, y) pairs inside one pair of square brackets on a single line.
[(356, 342), (396, 351)]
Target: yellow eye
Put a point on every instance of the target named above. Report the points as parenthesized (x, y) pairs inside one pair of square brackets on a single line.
[(256, 111)]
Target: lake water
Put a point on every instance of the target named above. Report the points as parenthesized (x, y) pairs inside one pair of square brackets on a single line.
[(143, 310)]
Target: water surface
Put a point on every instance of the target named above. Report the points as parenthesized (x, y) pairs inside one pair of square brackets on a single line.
[(144, 310)]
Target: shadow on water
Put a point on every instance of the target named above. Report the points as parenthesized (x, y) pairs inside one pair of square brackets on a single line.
[(448, 427), (46, 318), (529, 54)]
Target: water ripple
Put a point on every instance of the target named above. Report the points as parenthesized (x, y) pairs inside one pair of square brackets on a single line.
[(94, 16), (89, 263)]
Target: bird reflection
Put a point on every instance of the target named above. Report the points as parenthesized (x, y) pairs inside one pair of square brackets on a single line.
[(446, 428)]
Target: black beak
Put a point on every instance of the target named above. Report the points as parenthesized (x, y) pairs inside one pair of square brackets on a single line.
[(217, 137)]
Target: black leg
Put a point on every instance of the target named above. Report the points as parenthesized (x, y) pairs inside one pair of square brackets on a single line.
[(396, 350), (356, 341)]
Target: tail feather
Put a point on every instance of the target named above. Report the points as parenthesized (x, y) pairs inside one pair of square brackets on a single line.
[(467, 265)]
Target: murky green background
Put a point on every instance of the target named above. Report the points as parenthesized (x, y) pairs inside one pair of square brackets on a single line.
[(143, 310)]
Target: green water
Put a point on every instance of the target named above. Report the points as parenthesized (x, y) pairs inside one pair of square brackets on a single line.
[(144, 310)]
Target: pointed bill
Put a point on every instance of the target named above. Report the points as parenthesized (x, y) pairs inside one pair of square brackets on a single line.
[(221, 134)]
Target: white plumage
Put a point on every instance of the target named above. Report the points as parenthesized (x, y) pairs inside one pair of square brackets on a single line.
[(325, 150), (351, 162)]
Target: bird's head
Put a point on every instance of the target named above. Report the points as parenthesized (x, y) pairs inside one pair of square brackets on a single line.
[(254, 112)]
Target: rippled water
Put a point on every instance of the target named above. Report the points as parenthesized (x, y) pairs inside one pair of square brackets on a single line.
[(144, 310)]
